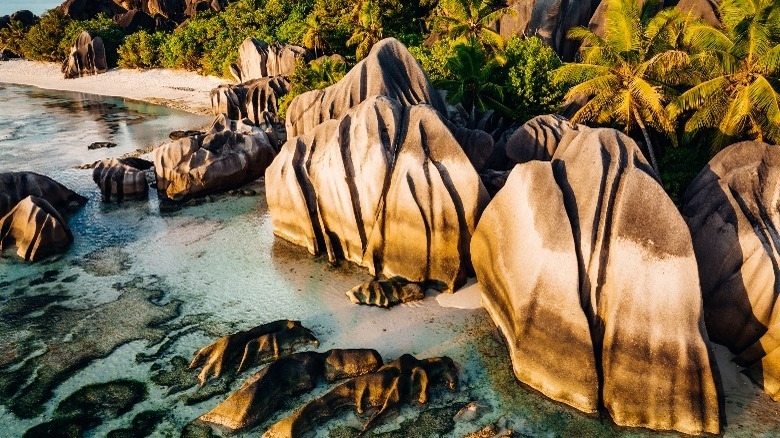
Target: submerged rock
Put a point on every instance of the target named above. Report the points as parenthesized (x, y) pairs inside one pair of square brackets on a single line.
[(230, 155), (387, 187), (143, 425), (36, 229), (122, 178), (405, 380), (87, 57), (732, 211), (258, 59), (103, 400), (588, 270), (265, 392)]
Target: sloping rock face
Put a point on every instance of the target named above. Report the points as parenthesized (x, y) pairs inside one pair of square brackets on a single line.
[(135, 20), (258, 59), (389, 70), (230, 155), (732, 211), (35, 228), (86, 9), (120, 179), (15, 186), (589, 271), (387, 187), (551, 20), (537, 139), (87, 57), (249, 99)]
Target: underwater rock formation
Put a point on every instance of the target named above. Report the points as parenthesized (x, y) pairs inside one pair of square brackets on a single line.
[(122, 178), (260, 344), (258, 59), (231, 154), (387, 187), (405, 380), (87, 57), (589, 271), (36, 229), (15, 186), (732, 211), (386, 293), (265, 392)]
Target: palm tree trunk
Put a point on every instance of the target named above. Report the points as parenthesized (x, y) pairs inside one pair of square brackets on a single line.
[(650, 151)]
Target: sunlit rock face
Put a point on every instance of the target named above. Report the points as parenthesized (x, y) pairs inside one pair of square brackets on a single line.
[(732, 211), (258, 59), (230, 155), (36, 229), (389, 70), (15, 186), (537, 139), (589, 271), (121, 179), (387, 187), (87, 57)]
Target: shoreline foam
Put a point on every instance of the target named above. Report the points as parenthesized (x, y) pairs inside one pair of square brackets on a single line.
[(177, 89)]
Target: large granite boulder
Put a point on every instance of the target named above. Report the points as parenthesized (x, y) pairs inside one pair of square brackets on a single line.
[(389, 70), (15, 186), (86, 9), (231, 154), (732, 211), (87, 57), (250, 99), (589, 271), (537, 139), (121, 179), (387, 187), (135, 20), (258, 59), (35, 228)]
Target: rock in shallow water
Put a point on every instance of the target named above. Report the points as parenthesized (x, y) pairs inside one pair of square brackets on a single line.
[(588, 269), (732, 211), (387, 187), (36, 229), (122, 179)]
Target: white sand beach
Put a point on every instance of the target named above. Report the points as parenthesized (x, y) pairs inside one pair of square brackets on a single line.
[(173, 88)]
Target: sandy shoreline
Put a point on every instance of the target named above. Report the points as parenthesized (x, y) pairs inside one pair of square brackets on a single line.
[(182, 90)]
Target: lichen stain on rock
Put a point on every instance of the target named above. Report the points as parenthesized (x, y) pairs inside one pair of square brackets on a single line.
[(67, 340)]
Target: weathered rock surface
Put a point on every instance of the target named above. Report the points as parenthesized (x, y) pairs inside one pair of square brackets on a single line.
[(36, 229), (258, 59), (387, 187), (87, 57), (250, 99), (265, 392), (135, 20), (537, 139), (15, 186), (405, 380), (230, 155), (86, 9), (589, 271), (122, 178), (732, 211), (389, 70), (386, 293)]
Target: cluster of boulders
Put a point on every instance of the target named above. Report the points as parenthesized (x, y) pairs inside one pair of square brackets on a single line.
[(87, 57), (133, 15), (366, 382), (31, 209), (374, 174), (552, 20)]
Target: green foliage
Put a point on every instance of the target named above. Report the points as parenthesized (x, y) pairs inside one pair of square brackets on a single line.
[(433, 59), (531, 89), (472, 19), (141, 50), (11, 37), (369, 28), (42, 41), (101, 26), (314, 76), (477, 78)]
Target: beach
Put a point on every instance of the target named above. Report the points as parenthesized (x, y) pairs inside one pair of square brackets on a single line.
[(182, 90)]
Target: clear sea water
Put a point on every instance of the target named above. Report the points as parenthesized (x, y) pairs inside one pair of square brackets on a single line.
[(36, 6), (140, 291)]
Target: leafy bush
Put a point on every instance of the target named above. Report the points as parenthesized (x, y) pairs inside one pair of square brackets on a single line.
[(42, 41), (314, 76), (531, 89), (11, 37), (141, 50), (434, 59)]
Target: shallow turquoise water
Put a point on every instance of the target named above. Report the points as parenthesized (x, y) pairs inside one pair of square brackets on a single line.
[(140, 291)]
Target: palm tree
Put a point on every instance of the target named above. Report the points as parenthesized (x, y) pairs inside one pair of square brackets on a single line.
[(368, 29), (740, 65), (314, 37), (474, 73), (472, 19), (626, 74)]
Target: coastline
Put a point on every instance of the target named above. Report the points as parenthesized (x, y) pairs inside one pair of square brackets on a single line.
[(182, 90)]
